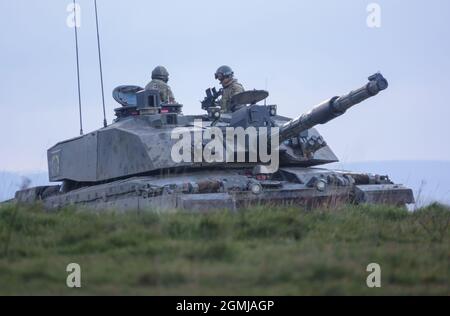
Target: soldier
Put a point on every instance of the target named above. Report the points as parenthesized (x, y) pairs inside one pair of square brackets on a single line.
[(230, 87), (160, 77)]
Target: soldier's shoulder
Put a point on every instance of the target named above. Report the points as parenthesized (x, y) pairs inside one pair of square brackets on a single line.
[(156, 84), (237, 86), (160, 82)]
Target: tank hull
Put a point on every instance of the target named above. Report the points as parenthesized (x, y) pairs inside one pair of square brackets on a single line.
[(234, 189)]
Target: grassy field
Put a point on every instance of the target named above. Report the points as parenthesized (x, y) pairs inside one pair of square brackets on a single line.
[(279, 251)]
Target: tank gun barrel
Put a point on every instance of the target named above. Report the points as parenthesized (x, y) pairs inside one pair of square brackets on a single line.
[(332, 108)]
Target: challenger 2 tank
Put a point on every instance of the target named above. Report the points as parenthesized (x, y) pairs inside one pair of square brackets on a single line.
[(155, 157)]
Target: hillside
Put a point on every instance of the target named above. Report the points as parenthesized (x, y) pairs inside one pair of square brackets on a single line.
[(261, 251)]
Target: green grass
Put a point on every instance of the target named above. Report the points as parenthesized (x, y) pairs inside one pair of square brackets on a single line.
[(277, 251)]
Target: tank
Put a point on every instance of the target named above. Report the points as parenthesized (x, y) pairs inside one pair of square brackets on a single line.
[(155, 157)]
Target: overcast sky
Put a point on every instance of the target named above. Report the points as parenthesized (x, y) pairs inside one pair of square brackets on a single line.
[(306, 51)]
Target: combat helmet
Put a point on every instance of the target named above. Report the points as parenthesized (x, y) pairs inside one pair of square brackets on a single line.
[(225, 71), (160, 73)]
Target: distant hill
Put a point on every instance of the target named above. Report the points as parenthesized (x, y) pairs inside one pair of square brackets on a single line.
[(430, 180)]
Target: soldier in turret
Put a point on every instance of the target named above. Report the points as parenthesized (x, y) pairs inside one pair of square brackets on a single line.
[(230, 86), (160, 77)]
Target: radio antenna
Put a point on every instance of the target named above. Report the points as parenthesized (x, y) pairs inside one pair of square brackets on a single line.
[(78, 64), (100, 64)]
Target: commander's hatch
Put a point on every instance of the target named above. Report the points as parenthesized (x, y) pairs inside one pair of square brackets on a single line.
[(249, 97), (126, 95)]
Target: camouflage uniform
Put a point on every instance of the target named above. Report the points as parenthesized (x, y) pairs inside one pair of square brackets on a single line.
[(228, 91), (165, 92)]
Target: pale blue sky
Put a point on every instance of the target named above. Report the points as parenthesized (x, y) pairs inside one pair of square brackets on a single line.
[(307, 51)]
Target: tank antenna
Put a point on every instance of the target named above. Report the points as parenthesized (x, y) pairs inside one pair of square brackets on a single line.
[(78, 64), (100, 64)]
